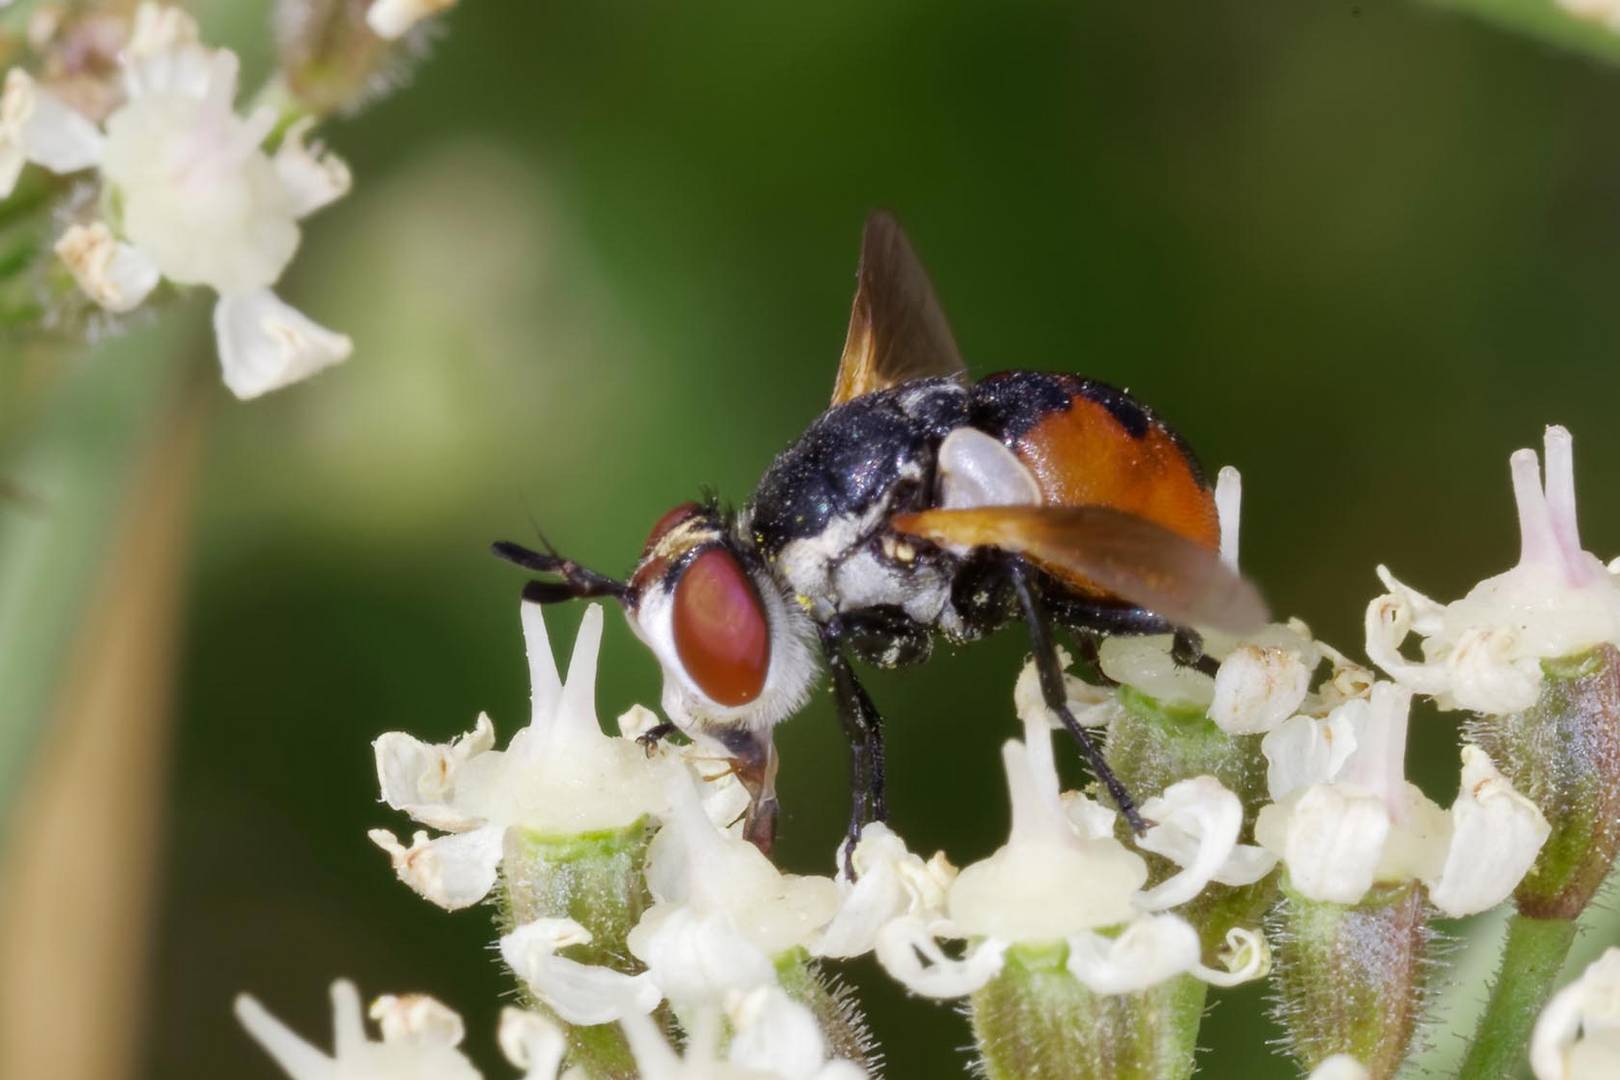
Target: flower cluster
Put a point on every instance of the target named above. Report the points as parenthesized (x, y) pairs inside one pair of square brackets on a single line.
[(176, 185)]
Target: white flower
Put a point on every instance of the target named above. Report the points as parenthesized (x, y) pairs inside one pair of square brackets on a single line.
[(891, 883), (1344, 816), (1578, 1034), (1606, 12), (723, 912), (391, 19), (419, 1040), (1484, 652), (772, 1038), (559, 776), (532, 1043), (1257, 687), (193, 196), (1090, 705), (1057, 880), (725, 796), (578, 993), (1196, 824)]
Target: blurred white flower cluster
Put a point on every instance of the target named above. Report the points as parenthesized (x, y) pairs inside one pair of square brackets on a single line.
[(178, 186)]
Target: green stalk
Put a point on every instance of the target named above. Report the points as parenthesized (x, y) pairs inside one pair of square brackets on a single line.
[(835, 1006), (1532, 957), (1545, 21), (597, 880), (67, 482), (1034, 1019)]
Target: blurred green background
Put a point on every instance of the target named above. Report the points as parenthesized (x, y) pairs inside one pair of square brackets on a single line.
[(599, 255)]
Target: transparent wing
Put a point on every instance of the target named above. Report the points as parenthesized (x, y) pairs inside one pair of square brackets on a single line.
[(897, 330), (1124, 555)]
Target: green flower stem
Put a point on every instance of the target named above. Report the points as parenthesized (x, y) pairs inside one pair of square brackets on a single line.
[(66, 480), (1151, 746), (1351, 978), (1034, 1019), (1532, 957), (1545, 21), (597, 880)]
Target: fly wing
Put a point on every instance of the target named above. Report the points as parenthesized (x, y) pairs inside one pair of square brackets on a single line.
[(897, 330), (1126, 556)]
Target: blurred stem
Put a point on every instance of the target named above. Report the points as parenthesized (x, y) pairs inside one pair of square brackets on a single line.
[(73, 472), (1532, 957), (1545, 21)]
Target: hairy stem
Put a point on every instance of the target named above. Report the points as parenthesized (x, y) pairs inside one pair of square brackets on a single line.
[(1532, 957)]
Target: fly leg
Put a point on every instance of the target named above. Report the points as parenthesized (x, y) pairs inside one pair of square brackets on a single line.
[(1044, 650), (863, 727)]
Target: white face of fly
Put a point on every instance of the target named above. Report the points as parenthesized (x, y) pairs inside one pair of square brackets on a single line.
[(734, 651)]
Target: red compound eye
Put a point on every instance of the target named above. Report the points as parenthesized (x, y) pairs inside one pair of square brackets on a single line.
[(721, 634), (668, 522)]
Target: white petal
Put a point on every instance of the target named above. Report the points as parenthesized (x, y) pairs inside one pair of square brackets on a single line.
[(908, 952), (1148, 951), (114, 275), (1390, 618), (417, 1017), (774, 1034), (391, 19), (453, 871), (187, 70), (1258, 687), (1304, 751), (1331, 837), (578, 993), (1090, 818), (890, 882), (312, 176), (1496, 836), (297, 1058), (1339, 1067), (420, 778), (44, 129), (532, 1043), (1583, 1016), (1196, 826), (1092, 706), (159, 28), (697, 957), (1145, 664), (1246, 956), (265, 344)]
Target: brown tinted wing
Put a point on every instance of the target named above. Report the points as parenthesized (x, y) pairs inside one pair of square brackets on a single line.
[(1126, 556), (897, 330)]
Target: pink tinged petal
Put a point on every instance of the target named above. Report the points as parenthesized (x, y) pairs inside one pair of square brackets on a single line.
[(1148, 951), (1537, 539), (454, 871), (265, 344), (579, 993), (116, 276), (909, 953), (297, 1058), (186, 69), (1228, 504), (159, 28), (1378, 762), (313, 177), (1496, 836)]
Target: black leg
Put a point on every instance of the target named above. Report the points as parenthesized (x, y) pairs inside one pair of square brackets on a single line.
[(1051, 673), (864, 729), (650, 738), (577, 582)]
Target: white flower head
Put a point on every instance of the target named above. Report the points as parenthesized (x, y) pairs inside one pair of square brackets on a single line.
[(559, 776), (1345, 817), (578, 993), (724, 913), (192, 195), (419, 1040), (773, 1037), (1059, 880), (1578, 1034), (1484, 652)]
